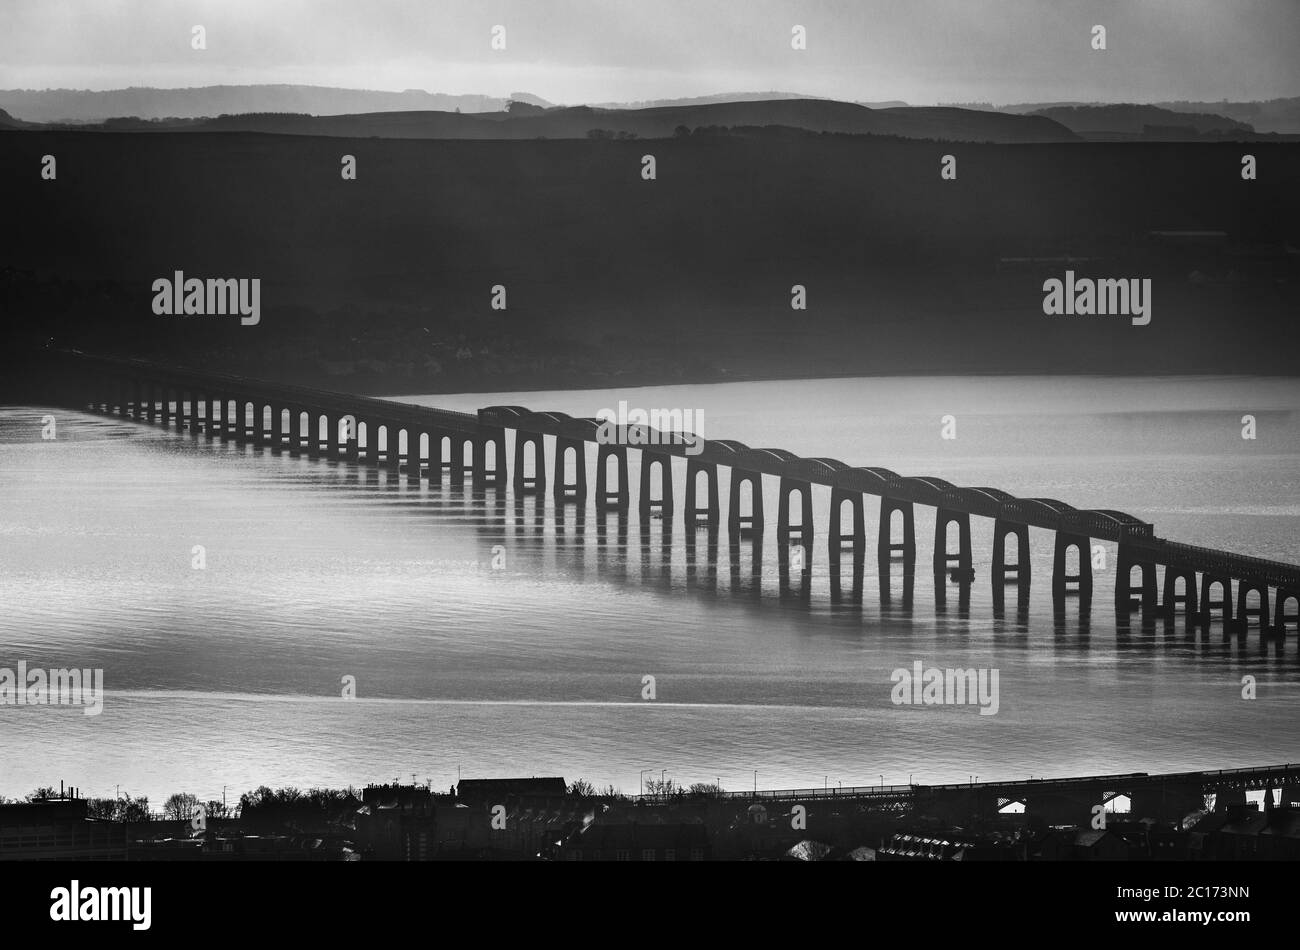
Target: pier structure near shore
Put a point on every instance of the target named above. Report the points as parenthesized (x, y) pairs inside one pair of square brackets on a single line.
[(1169, 796)]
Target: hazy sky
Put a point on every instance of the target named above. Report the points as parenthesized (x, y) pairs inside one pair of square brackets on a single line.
[(921, 51)]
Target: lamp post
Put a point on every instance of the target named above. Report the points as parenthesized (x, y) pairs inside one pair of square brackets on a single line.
[(642, 779)]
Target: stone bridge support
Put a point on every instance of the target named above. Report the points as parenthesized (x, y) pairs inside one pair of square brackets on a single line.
[(1004, 573), (646, 502), (708, 514), (739, 523), (605, 499), (491, 475), (565, 491), (1145, 590), (943, 561), (535, 484), (1065, 584), (1283, 617), (804, 531), (1172, 600), (1209, 603), (858, 538), (887, 547), (1245, 612)]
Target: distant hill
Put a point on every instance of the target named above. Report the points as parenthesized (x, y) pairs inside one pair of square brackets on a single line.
[(1134, 120), (1280, 116), (731, 97), (1272, 115), (84, 105), (813, 115)]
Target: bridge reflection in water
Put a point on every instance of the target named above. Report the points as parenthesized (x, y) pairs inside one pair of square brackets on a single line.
[(1155, 578)]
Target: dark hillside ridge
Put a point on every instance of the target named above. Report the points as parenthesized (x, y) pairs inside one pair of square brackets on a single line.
[(384, 281)]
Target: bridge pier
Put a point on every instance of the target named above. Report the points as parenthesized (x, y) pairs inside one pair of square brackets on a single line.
[(235, 420), (1004, 573), (566, 491), (1125, 560), (709, 514), (753, 585), (165, 408), (856, 589), (314, 448), (414, 461), (494, 476), (943, 561), (1209, 605), (535, 483), (351, 450), (217, 418), (392, 447), (858, 539), (885, 577), (1172, 600), (887, 546), (1063, 584), (740, 524), (606, 499), (804, 531), (1246, 612), (1282, 618), (457, 461), (646, 503), (283, 421)]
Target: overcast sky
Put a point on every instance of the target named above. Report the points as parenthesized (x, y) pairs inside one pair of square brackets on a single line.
[(921, 51)]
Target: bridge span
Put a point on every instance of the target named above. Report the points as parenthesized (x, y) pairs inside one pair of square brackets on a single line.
[(420, 442)]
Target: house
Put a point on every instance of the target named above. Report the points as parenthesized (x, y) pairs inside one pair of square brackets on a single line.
[(58, 829), (1081, 844), (473, 791), (599, 840)]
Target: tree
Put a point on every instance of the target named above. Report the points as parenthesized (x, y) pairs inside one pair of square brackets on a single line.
[(581, 788), (706, 790), (133, 809), (661, 788), (43, 794), (101, 809), (180, 806)]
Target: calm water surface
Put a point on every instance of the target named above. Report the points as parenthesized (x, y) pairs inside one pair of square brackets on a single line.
[(230, 676)]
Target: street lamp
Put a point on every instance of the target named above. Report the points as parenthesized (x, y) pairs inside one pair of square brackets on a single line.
[(642, 779)]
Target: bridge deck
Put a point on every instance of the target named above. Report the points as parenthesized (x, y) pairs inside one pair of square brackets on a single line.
[(1046, 513)]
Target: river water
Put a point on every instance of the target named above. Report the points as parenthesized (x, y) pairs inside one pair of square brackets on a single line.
[(230, 676)]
